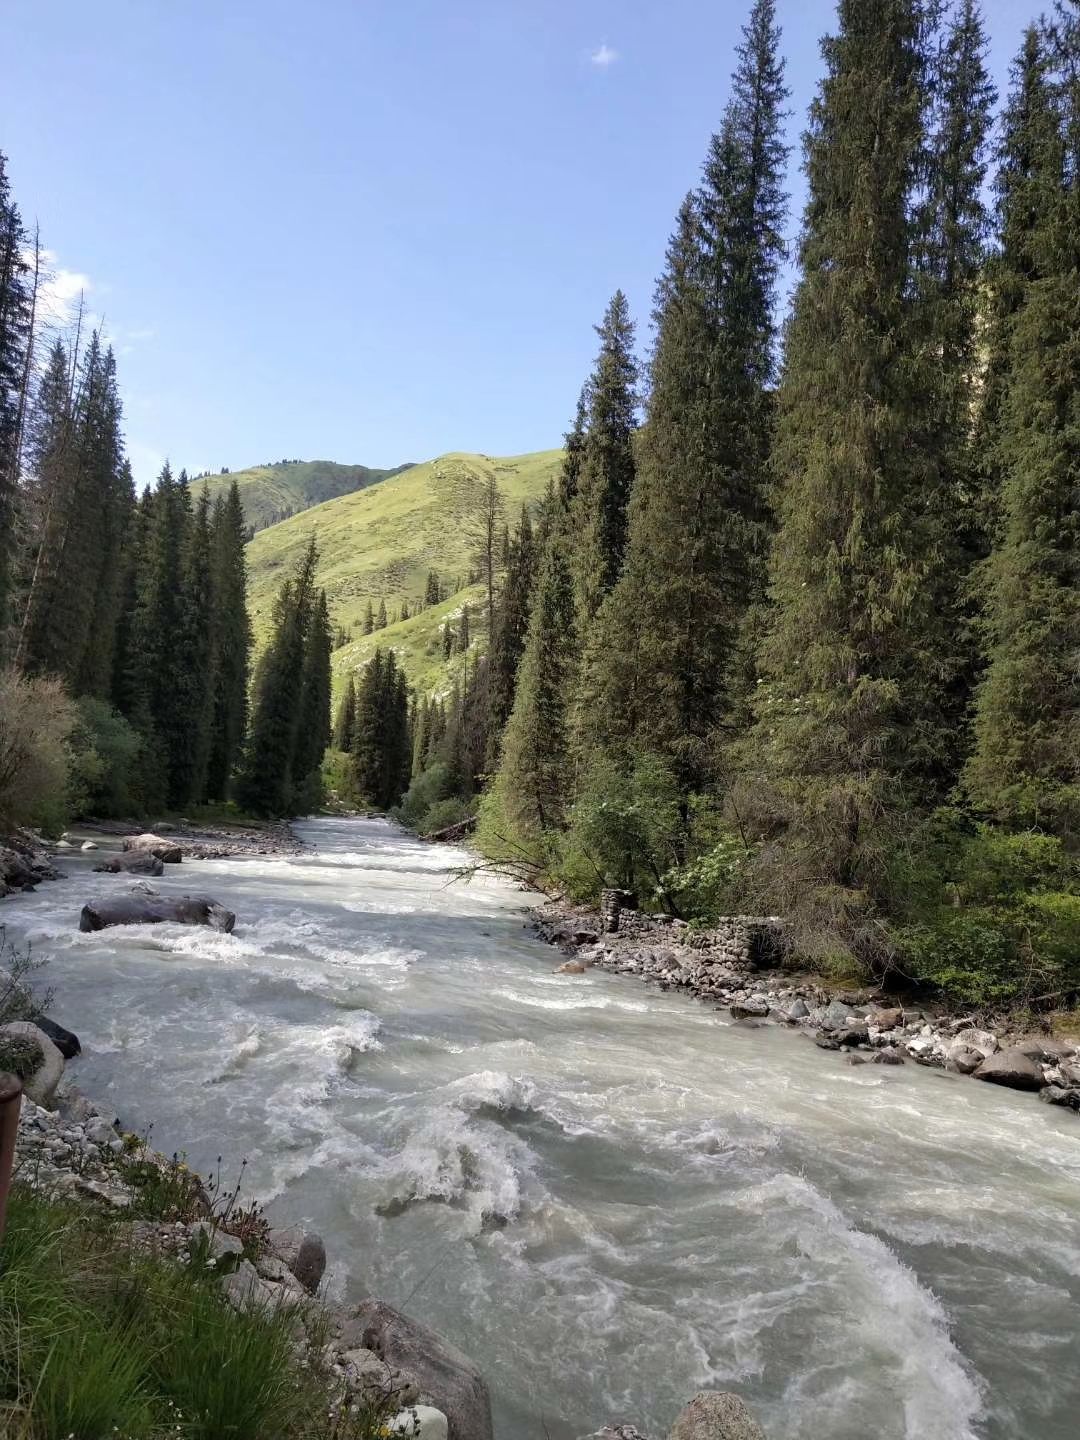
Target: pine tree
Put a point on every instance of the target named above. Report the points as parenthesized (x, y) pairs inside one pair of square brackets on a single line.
[(511, 626), (853, 564), (369, 619), (345, 721), (404, 615), (381, 752), (195, 651), (532, 781), (313, 731), (380, 619), (266, 782), (447, 640), (605, 470), (1025, 769), (233, 642), (663, 665), (15, 341), (432, 593), (573, 454)]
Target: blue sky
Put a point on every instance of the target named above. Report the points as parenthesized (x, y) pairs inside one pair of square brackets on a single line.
[(369, 232)]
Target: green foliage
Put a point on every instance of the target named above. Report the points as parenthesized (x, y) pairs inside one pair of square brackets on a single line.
[(107, 761), (711, 884), (449, 811), (382, 753), (626, 828), (20, 1054), (272, 493), (431, 787), (37, 721)]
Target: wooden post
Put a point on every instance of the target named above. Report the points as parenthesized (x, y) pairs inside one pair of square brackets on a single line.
[(10, 1103)]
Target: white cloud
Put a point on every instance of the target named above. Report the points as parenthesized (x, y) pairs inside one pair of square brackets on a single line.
[(604, 57), (58, 290)]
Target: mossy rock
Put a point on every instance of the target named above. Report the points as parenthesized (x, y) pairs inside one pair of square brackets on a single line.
[(20, 1055)]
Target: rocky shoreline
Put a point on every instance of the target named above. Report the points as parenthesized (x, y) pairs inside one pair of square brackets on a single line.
[(864, 1026)]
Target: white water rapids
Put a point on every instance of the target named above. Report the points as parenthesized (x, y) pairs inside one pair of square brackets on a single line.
[(608, 1196)]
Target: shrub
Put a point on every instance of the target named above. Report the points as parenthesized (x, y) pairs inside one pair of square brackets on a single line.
[(627, 828), (36, 723), (427, 789), (443, 813), (107, 762)]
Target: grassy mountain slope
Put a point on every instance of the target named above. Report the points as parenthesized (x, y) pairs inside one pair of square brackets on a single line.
[(270, 493), (379, 544)]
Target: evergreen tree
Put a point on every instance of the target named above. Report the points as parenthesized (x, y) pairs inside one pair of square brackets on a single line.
[(313, 732), (369, 619), (195, 656), (853, 582), (432, 594), (381, 753), (511, 625), (404, 615), (663, 667), (15, 342), (380, 619), (532, 781), (605, 470), (464, 639), (345, 721), (266, 782), (1025, 769), (233, 642), (573, 454), (447, 640)]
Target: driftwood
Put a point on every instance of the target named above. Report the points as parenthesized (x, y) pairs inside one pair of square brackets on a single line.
[(454, 832)]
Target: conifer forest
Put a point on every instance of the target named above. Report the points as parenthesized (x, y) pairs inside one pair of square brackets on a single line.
[(795, 629)]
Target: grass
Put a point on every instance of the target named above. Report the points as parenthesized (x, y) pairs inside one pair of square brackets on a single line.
[(380, 543), (268, 493), (101, 1341)]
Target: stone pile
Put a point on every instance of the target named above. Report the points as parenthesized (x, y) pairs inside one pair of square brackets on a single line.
[(722, 966), (24, 862)]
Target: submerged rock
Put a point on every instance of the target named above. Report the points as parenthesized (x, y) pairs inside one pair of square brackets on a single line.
[(64, 1040), (716, 1415), (135, 862), (151, 909)]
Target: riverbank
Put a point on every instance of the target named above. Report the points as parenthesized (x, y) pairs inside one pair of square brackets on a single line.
[(864, 1025)]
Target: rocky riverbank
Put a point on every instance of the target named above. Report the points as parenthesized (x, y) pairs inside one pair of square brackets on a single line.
[(723, 967)]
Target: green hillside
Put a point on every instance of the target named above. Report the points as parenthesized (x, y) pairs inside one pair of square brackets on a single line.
[(270, 493), (380, 543)]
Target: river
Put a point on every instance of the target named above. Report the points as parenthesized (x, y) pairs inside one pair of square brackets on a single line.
[(607, 1195)]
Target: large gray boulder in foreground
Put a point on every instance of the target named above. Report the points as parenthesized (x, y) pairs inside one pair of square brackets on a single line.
[(447, 1378), (1012, 1067), (149, 909), (716, 1415)]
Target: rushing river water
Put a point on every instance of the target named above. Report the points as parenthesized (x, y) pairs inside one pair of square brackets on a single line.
[(608, 1196)]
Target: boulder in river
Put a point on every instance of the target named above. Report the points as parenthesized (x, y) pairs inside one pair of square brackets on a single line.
[(1061, 1095), (716, 1415), (165, 850), (751, 1007), (28, 1051), (66, 1042), (980, 1040), (150, 909), (963, 1059), (447, 1379), (302, 1251), (88, 845), (1011, 1067), (135, 862)]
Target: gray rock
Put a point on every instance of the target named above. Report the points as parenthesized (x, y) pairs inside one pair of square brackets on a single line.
[(167, 851), (886, 1019), (797, 1010), (151, 909), (888, 1057), (419, 1422), (979, 1040), (88, 845), (1061, 1095), (836, 1015), (1013, 1068), (41, 1085), (616, 1432), (856, 1032), (447, 1378), (64, 1040), (963, 1059), (217, 1241), (1070, 1071), (377, 1382), (716, 1415), (753, 1007), (136, 862), (303, 1252), (99, 1133)]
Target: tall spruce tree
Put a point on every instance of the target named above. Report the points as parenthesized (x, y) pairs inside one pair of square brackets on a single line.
[(511, 626), (345, 720), (265, 784), (227, 536), (533, 781), (1025, 769), (15, 341), (195, 665), (661, 665), (605, 467), (839, 726), (313, 732)]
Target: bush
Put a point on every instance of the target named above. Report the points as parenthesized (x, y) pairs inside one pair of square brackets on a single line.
[(451, 811), (107, 762), (712, 884), (37, 720), (433, 785)]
